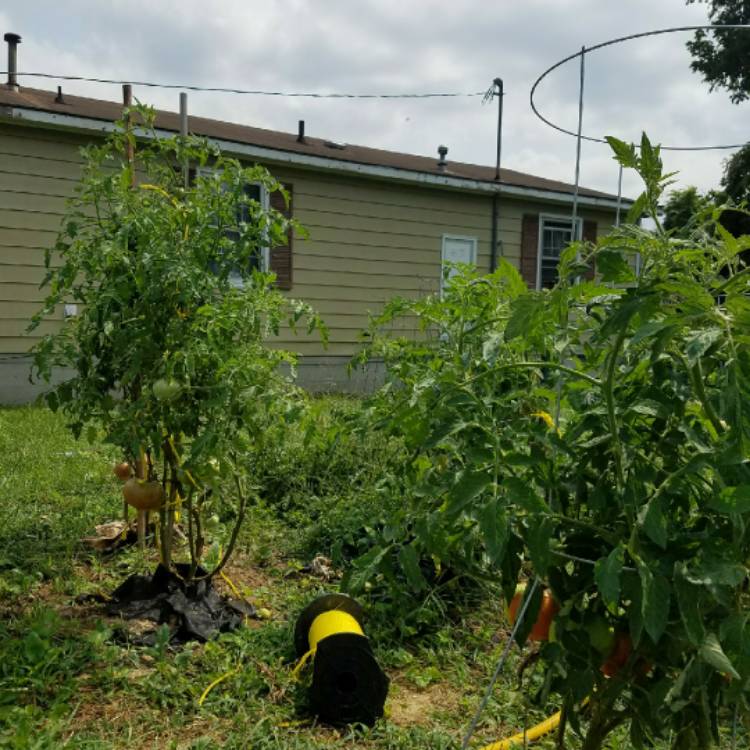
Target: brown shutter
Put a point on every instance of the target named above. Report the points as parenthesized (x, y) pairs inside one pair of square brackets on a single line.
[(280, 261), (589, 235), (529, 248)]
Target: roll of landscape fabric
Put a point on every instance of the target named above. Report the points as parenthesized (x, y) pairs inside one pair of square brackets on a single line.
[(348, 684)]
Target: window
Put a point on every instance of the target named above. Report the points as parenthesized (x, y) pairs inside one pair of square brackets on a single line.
[(555, 234), (257, 193), (456, 249)]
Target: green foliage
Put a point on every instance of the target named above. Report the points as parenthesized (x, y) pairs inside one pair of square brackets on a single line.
[(735, 183), (330, 452), (721, 56), (324, 478), (683, 211), (598, 435), (736, 177), (169, 347)]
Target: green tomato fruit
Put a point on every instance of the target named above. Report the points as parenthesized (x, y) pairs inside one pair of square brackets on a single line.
[(166, 390), (601, 635), (213, 524)]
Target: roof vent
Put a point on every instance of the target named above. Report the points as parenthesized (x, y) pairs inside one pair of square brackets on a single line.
[(442, 153), (301, 132), (332, 144), (59, 99), (13, 41)]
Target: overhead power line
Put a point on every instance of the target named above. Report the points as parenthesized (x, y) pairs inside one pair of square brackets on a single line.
[(255, 92)]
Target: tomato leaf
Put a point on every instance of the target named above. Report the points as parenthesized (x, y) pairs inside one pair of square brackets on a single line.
[(363, 569), (712, 653), (527, 313), (624, 152), (732, 500), (607, 575), (689, 604), (493, 523), (656, 601), (613, 266), (523, 494), (699, 344), (469, 485), (409, 560), (538, 541), (654, 522)]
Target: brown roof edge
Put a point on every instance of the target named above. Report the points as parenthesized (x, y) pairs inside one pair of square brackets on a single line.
[(98, 109)]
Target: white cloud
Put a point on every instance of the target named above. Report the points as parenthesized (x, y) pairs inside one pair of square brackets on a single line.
[(394, 45)]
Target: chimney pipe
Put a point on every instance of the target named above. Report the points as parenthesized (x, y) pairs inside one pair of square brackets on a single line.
[(13, 41), (442, 152), (301, 132)]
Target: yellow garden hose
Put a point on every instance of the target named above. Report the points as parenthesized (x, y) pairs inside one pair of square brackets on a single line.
[(217, 681), (517, 740)]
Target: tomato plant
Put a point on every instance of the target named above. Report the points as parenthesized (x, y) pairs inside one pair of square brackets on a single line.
[(169, 348), (596, 435)]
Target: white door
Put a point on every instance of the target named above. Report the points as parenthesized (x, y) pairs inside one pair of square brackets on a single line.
[(456, 250)]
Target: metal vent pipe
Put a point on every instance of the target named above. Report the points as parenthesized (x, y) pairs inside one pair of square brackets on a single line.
[(13, 41), (442, 153)]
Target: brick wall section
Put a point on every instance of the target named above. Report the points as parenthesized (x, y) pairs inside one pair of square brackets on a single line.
[(280, 260), (529, 248)]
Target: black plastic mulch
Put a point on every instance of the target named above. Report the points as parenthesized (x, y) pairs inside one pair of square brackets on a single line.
[(193, 611)]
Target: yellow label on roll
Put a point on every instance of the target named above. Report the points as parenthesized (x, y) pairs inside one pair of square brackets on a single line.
[(332, 622)]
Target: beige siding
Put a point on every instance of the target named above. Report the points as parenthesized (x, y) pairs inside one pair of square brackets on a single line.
[(38, 172), (368, 240)]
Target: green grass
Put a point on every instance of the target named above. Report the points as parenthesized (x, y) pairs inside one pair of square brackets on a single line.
[(64, 681)]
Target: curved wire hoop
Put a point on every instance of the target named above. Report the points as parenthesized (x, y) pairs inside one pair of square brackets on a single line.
[(619, 40)]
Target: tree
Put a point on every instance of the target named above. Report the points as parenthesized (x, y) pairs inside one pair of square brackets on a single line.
[(736, 178), (686, 210), (735, 183), (169, 347), (721, 57), (682, 209)]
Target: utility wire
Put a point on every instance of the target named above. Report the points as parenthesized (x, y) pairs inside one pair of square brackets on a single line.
[(256, 92)]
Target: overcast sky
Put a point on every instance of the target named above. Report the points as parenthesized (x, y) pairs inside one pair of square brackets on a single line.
[(404, 46)]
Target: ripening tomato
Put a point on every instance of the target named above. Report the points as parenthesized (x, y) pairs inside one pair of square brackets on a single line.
[(619, 655), (547, 611), (122, 470), (143, 495)]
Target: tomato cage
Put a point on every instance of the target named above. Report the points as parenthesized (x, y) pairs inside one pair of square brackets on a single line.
[(580, 136)]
